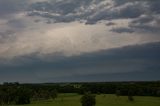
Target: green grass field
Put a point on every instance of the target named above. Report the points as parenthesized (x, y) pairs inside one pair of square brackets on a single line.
[(101, 100)]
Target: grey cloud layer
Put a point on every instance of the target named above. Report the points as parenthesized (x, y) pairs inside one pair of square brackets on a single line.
[(93, 11)]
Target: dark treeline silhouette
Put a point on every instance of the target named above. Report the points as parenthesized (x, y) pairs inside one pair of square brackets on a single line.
[(123, 88), (15, 93)]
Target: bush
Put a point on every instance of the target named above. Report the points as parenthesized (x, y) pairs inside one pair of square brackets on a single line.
[(22, 96), (130, 98), (53, 94), (118, 93), (158, 93), (88, 99), (22, 100)]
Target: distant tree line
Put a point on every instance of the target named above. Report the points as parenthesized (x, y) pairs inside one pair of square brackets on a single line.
[(123, 88), (15, 93)]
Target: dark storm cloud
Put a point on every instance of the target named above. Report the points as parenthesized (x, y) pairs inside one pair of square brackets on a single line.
[(90, 10), (146, 15), (144, 23), (147, 23), (123, 11), (154, 6), (122, 30), (62, 11), (93, 11), (138, 59)]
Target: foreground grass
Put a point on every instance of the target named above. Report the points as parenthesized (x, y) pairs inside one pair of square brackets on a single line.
[(102, 100)]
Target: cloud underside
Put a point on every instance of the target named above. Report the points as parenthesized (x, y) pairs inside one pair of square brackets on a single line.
[(139, 62)]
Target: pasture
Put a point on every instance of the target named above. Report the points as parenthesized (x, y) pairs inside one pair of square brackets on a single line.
[(72, 99)]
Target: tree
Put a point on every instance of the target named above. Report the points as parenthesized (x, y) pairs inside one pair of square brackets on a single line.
[(118, 93), (158, 93), (88, 99), (22, 96), (54, 94), (130, 95)]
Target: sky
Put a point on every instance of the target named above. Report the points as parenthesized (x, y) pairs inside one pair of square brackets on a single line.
[(79, 40)]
